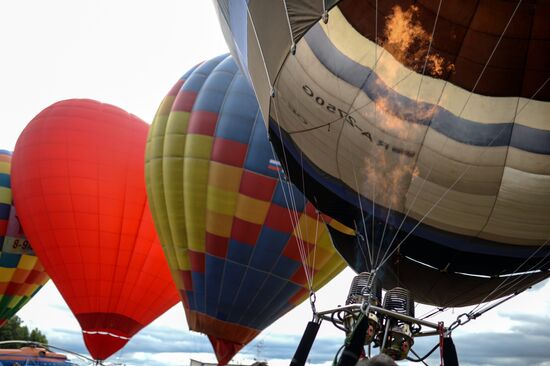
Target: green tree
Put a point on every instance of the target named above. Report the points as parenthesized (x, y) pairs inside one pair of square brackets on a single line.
[(15, 330)]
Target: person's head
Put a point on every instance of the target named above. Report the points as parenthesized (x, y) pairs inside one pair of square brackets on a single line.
[(378, 360)]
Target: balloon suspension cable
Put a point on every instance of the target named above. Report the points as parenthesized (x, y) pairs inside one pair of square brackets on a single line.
[(437, 310), (384, 230), (293, 213), (465, 318), (504, 286), (316, 238), (366, 237), (371, 263)]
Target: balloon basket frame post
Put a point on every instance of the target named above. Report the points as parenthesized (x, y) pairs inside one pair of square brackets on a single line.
[(369, 322)]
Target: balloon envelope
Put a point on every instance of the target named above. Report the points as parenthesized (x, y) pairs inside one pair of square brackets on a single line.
[(78, 179), (424, 127), (223, 212), (21, 273)]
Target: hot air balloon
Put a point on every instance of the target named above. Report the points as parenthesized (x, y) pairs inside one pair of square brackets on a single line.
[(78, 180), (21, 273), (243, 244), (421, 124)]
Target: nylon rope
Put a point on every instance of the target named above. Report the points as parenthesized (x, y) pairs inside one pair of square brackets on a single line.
[(317, 218), (275, 155), (291, 208), (384, 230), (364, 224), (515, 280), (292, 212), (306, 218)]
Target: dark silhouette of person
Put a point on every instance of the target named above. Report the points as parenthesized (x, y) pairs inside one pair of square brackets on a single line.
[(378, 360)]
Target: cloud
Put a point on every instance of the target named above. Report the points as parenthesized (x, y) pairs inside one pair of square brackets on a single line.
[(66, 339), (283, 346), (176, 347)]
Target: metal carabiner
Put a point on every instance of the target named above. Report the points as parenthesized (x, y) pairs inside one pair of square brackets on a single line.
[(312, 300)]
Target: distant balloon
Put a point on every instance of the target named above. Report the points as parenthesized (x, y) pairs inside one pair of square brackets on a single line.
[(78, 181), (222, 208), (21, 273)]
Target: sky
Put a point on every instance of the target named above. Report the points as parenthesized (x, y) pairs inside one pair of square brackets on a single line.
[(129, 53)]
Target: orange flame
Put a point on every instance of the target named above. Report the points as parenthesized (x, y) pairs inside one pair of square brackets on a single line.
[(408, 42), (389, 181)]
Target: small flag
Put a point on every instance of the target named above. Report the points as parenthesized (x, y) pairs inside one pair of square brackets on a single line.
[(275, 165)]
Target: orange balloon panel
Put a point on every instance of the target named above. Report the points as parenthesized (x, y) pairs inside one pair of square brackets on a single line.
[(78, 180)]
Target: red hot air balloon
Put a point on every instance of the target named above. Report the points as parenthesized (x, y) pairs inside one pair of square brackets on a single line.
[(78, 179)]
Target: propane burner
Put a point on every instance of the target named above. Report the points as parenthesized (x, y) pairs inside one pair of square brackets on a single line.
[(364, 289), (363, 285), (398, 337)]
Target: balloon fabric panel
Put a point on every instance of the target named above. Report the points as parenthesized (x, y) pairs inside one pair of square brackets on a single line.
[(78, 180)]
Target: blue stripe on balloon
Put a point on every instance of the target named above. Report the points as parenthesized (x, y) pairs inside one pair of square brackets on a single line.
[(238, 22), (214, 266), (268, 248), (5, 180), (259, 153), (191, 299), (232, 279), (9, 260), (251, 284), (212, 94), (283, 194), (457, 128), (199, 290), (285, 267), (197, 78), (279, 305), (239, 252), (238, 112), (5, 209), (271, 289)]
